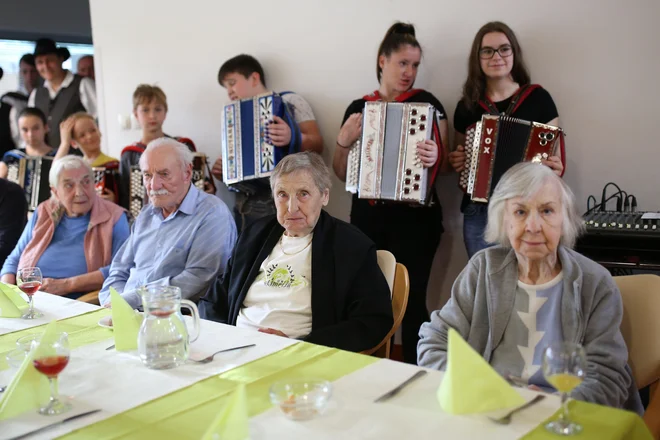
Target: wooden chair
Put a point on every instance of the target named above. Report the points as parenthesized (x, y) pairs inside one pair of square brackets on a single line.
[(641, 330), (90, 298), (399, 287)]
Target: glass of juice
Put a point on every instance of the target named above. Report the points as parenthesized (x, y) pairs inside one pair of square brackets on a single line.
[(564, 367), (29, 280), (50, 357)]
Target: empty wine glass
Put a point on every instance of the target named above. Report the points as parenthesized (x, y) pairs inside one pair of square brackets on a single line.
[(51, 355), (564, 367), (29, 280)]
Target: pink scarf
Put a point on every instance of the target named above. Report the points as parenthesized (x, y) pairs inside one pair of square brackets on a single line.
[(98, 238)]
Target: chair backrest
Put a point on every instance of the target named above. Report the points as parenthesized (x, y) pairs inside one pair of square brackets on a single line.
[(400, 290), (640, 325), (387, 264)]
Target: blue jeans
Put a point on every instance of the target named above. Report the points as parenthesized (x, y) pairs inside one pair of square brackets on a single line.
[(475, 217)]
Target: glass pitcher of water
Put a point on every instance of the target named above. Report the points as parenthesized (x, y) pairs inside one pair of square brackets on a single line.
[(163, 340)]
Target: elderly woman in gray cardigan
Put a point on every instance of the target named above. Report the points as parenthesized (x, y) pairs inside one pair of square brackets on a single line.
[(515, 299)]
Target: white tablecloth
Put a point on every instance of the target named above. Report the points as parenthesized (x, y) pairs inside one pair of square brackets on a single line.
[(115, 382), (52, 306), (413, 414)]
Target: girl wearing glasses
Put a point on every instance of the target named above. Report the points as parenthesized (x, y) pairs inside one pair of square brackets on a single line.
[(498, 83)]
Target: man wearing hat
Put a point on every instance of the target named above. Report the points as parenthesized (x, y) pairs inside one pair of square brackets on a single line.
[(63, 93)]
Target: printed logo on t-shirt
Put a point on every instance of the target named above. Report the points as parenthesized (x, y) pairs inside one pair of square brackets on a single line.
[(283, 277)]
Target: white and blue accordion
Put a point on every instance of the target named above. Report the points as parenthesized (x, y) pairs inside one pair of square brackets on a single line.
[(247, 153), (383, 164)]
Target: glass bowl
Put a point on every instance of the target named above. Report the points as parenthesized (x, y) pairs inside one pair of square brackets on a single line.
[(25, 343), (16, 357), (301, 399)]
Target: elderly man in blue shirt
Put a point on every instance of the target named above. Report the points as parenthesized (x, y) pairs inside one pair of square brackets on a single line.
[(183, 238)]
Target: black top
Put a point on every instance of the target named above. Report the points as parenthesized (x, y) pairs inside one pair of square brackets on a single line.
[(13, 216), (537, 107), (7, 102), (358, 105), (351, 302)]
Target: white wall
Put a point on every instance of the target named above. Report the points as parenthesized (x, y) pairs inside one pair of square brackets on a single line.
[(599, 59)]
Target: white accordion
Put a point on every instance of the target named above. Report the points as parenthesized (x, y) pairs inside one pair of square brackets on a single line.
[(383, 164)]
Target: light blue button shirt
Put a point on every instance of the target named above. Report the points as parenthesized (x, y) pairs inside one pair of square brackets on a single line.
[(187, 249)]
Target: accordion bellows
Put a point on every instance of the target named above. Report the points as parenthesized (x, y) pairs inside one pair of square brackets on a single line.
[(497, 143), (384, 164), (31, 173), (246, 154)]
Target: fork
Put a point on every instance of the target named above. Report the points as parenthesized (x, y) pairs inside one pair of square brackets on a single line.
[(507, 418), (208, 359)]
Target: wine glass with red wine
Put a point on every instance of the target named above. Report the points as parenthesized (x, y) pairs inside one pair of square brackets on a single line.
[(29, 280), (50, 358)]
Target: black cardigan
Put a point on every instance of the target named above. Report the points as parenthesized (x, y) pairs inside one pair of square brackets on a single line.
[(351, 303)]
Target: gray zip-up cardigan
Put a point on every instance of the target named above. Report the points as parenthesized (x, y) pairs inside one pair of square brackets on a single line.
[(482, 300)]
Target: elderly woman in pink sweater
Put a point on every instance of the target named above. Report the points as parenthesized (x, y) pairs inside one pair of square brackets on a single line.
[(71, 237)]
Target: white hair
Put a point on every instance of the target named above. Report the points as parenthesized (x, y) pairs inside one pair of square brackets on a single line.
[(69, 162), (524, 180), (184, 154), (305, 161)]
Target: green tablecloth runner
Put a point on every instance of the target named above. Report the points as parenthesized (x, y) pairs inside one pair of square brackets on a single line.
[(187, 413), (599, 422), (82, 329)]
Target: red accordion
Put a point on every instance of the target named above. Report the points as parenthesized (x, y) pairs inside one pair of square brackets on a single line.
[(497, 143), (106, 177)]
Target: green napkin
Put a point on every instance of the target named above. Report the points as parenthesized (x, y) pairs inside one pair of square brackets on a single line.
[(28, 389), (470, 384), (125, 323), (231, 422), (11, 301)]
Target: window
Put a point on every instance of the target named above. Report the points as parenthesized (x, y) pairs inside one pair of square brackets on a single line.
[(11, 52)]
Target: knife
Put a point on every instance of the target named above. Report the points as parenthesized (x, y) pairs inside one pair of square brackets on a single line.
[(43, 428), (396, 390)]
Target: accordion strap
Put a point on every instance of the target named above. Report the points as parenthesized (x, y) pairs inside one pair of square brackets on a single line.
[(375, 96), (135, 148), (562, 151), (441, 151)]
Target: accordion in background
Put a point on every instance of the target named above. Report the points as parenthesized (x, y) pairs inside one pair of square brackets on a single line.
[(200, 168), (497, 143), (384, 164), (31, 173), (107, 178), (246, 154), (137, 192)]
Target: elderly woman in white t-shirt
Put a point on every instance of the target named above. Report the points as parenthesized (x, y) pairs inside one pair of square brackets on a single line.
[(303, 273)]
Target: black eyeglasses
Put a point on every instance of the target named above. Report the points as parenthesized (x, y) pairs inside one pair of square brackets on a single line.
[(487, 53)]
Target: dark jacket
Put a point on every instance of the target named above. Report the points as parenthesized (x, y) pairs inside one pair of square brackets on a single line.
[(13, 216), (351, 302)]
